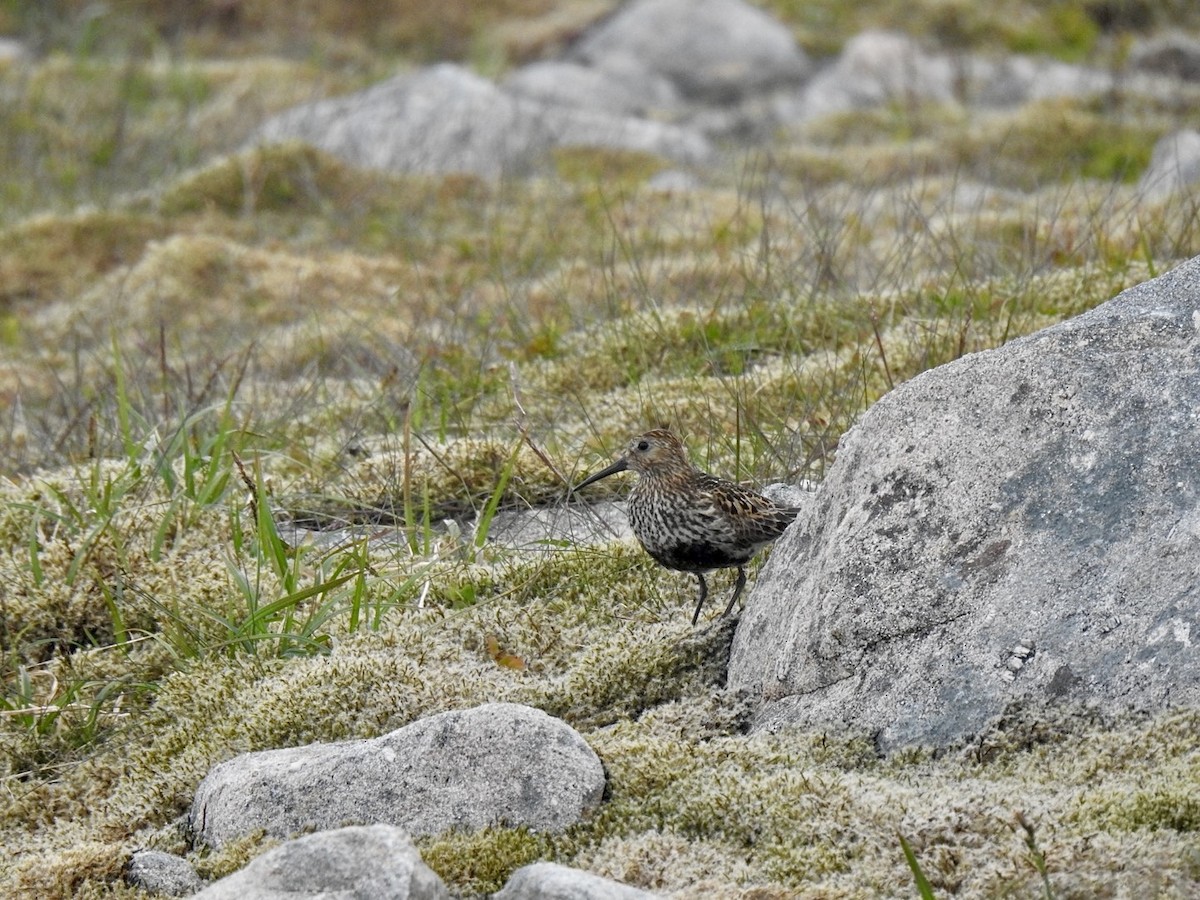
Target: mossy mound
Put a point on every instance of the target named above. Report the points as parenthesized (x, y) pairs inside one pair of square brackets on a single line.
[(223, 345)]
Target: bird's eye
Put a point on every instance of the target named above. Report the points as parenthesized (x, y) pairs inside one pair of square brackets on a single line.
[(643, 445)]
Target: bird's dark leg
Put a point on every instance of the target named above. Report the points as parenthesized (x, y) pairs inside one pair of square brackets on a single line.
[(737, 590), (703, 594)]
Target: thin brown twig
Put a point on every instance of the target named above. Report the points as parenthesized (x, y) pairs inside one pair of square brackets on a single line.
[(249, 483), (521, 420), (887, 371)]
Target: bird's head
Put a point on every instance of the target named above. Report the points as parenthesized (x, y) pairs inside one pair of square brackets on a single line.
[(655, 454)]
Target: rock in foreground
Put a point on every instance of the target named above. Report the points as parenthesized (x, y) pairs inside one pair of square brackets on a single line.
[(161, 873), (1020, 526), (376, 862), (466, 769), (550, 881)]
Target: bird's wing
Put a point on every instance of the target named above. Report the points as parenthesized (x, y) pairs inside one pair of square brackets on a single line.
[(749, 514)]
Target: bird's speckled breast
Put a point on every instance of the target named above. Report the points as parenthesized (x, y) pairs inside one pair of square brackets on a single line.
[(684, 537)]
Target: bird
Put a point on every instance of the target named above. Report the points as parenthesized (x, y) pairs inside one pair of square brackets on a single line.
[(689, 520)]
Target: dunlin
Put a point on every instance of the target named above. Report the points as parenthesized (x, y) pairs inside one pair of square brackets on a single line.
[(689, 520)]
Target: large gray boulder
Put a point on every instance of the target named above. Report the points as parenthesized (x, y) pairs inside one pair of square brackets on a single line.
[(711, 50), (500, 763), (372, 862), (1016, 530), (550, 881), (447, 119)]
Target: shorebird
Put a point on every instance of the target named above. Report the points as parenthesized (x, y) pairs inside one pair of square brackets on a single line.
[(691, 521)]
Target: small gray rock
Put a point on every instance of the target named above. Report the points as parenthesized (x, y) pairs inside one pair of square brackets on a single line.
[(467, 769), (715, 50), (1174, 166), (162, 873), (880, 67), (440, 119), (12, 50), (628, 92), (795, 495), (874, 68), (584, 128), (1050, 79), (447, 119), (373, 862), (550, 881), (1175, 54), (1006, 82), (578, 524), (674, 181)]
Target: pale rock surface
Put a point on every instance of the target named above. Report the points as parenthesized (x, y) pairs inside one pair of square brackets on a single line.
[(874, 68), (162, 873), (1174, 54), (1018, 530), (1174, 167), (12, 50), (674, 181), (577, 524), (715, 50), (631, 90), (440, 119), (464, 769), (447, 119), (372, 862), (1015, 80), (550, 881), (795, 495)]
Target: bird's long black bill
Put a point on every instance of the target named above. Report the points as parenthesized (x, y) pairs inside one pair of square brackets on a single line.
[(619, 466)]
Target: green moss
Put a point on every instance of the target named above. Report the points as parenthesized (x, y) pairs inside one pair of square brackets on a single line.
[(393, 346), (1168, 803), (1061, 140), (1064, 30), (613, 168), (1068, 29), (32, 252), (65, 873), (437, 480), (1118, 157), (234, 855), (707, 801), (480, 862), (1178, 810), (286, 177)]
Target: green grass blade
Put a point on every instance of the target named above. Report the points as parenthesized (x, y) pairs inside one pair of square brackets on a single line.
[(112, 602), (493, 502), (124, 408), (290, 601), (35, 551), (924, 888), (271, 544)]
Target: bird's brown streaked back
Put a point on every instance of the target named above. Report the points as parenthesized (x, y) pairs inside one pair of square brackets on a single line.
[(689, 520)]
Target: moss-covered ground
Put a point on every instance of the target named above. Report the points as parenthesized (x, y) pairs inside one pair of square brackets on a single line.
[(202, 346)]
